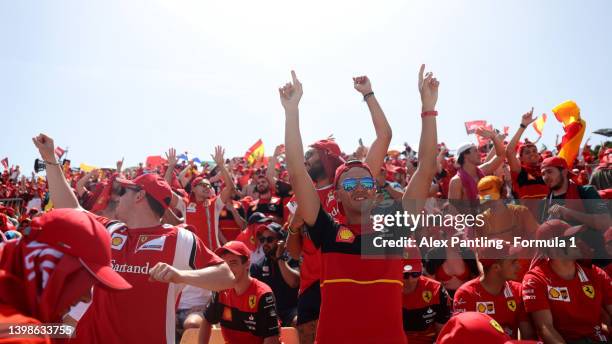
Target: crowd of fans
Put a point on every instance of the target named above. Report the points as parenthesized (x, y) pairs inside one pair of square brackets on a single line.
[(254, 246)]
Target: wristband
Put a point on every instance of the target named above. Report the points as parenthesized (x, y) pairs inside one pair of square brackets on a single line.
[(367, 95), (51, 163), (429, 113), (523, 126), (292, 231)]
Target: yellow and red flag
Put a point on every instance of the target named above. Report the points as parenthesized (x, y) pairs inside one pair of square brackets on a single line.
[(538, 125), (255, 152), (568, 113)]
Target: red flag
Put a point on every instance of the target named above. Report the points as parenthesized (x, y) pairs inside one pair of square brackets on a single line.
[(471, 126), (154, 161), (59, 152), (5, 163), (255, 152)]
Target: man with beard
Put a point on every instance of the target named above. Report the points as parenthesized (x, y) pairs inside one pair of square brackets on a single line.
[(266, 201), (278, 272), (575, 204), (527, 182)]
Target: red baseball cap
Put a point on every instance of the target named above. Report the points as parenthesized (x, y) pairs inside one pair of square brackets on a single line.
[(328, 145), (154, 185), (234, 247), (79, 234), (197, 181), (347, 166), (554, 161), (551, 229), (470, 327), (412, 260)]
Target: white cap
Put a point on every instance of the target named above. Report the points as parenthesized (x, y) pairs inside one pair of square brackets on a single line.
[(464, 147)]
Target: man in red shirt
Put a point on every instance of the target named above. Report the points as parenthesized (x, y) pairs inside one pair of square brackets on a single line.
[(247, 312), (566, 300), (495, 293), (360, 298), (425, 304), (62, 254), (527, 182), (146, 313), (205, 206)]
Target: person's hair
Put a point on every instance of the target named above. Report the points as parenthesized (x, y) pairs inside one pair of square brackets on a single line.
[(461, 158), (243, 259), (157, 208)]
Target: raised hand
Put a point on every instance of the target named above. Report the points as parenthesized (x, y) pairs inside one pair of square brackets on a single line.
[(171, 157), (46, 147), (291, 93), (120, 165), (486, 133), (428, 87), (280, 149), (362, 84), (218, 157), (527, 118)]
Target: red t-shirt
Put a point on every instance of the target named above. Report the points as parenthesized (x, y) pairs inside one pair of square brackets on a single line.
[(506, 308), (575, 304), (145, 313), (528, 186), (247, 318), (9, 315), (206, 221), (423, 308), (361, 297), (310, 269)]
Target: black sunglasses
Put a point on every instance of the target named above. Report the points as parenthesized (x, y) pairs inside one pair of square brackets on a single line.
[(416, 274), (268, 239)]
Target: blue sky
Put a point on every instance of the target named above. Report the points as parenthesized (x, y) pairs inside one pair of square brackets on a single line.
[(113, 79)]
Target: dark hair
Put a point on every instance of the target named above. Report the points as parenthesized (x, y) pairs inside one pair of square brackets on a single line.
[(461, 158), (155, 206)]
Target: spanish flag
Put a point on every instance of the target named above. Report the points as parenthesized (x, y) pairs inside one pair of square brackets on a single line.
[(538, 125), (568, 113), (254, 153)]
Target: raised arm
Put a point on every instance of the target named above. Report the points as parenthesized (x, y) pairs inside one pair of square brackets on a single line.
[(171, 157), (80, 185), (229, 188), (513, 161), (376, 154), (303, 187), (490, 166), (271, 169), (59, 190), (418, 187)]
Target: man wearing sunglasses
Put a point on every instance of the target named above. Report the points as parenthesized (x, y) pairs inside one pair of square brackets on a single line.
[(360, 298), (278, 271), (425, 302), (140, 245)]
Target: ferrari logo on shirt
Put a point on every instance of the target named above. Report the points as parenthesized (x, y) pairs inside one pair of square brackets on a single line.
[(117, 241), (151, 243), (252, 301), (558, 294), (191, 208), (227, 314), (427, 296), (485, 307), (589, 291), (512, 305), (345, 235), (496, 326)]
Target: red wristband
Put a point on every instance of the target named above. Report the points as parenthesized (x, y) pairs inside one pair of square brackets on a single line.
[(429, 113)]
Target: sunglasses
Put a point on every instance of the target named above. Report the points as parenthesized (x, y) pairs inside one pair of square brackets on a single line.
[(350, 184), (125, 188), (417, 274), (268, 239)]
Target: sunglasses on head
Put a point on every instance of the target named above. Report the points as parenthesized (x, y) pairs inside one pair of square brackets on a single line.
[(268, 239), (350, 184), (125, 188), (415, 274)]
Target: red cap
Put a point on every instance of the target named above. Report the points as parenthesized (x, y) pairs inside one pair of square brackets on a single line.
[(234, 247), (79, 234), (197, 181), (328, 145), (488, 256), (347, 166), (551, 229), (154, 185), (523, 146), (555, 161), (412, 260), (469, 327)]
